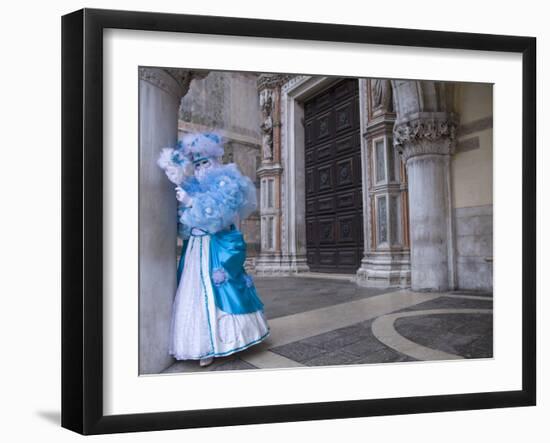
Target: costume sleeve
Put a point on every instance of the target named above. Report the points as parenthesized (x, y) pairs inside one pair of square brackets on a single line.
[(190, 185), (183, 230), (224, 195), (176, 167)]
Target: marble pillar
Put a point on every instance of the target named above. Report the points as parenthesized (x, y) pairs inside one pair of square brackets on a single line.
[(160, 93), (426, 140)]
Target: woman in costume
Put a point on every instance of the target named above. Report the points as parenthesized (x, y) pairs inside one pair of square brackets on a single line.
[(216, 310)]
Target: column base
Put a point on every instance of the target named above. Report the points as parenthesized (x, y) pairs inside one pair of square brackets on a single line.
[(250, 264), (278, 265), (385, 270)]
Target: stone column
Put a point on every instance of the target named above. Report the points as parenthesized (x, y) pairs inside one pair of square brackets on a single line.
[(160, 93), (424, 134), (386, 260)]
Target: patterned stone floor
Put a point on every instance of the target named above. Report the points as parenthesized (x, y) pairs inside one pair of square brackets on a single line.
[(324, 322)]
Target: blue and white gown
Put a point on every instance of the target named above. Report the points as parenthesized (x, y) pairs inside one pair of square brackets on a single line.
[(216, 310)]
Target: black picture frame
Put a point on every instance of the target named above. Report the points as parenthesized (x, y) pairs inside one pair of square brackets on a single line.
[(82, 215)]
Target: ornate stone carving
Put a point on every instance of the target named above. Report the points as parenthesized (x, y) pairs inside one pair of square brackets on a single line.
[(382, 95), (162, 80), (271, 81), (423, 135), (293, 82), (267, 84), (184, 77), (174, 81), (266, 126)]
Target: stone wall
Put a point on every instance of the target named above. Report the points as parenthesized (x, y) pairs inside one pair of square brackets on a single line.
[(227, 102), (472, 175), (474, 246), (472, 163)]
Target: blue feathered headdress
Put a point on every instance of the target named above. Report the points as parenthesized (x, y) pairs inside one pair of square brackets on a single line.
[(177, 162), (201, 145)]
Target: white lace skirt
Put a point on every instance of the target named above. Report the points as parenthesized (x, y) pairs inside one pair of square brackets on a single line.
[(198, 328)]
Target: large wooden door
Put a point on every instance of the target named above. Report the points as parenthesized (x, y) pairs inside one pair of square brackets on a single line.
[(334, 215)]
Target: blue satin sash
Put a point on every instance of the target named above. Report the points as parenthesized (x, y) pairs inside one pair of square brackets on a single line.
[(237, 294)]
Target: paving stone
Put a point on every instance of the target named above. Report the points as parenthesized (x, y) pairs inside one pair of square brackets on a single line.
[(336, 343), (356, 340), (451, 303), (321, 339), (342, 336), (291, 295), (340, 342), (471, 292), (472, 324), (467, 335), (233, 365), (298, 351), (365, 347), (182, 366), (480, 348), (425, 327), (332, 359), (360, 330), (386, 355)]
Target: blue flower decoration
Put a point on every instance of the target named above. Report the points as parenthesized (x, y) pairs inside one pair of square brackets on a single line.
[(214, 137), (178, 155), (248, 281), (219, 276)]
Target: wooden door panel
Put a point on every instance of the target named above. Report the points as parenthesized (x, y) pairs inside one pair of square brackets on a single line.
[(346, 201), (334, 217)]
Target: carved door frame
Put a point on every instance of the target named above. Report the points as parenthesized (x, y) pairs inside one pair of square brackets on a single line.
[(293, 199)]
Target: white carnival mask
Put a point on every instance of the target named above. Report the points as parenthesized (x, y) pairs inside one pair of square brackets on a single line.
[(204, 165)]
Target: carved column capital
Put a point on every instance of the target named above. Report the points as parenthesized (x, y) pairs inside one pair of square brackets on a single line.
[(271, 81), (174, 81), (432, 133), (184, 76)]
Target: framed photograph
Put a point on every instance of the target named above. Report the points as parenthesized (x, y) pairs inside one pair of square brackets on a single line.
[(269, 221)]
